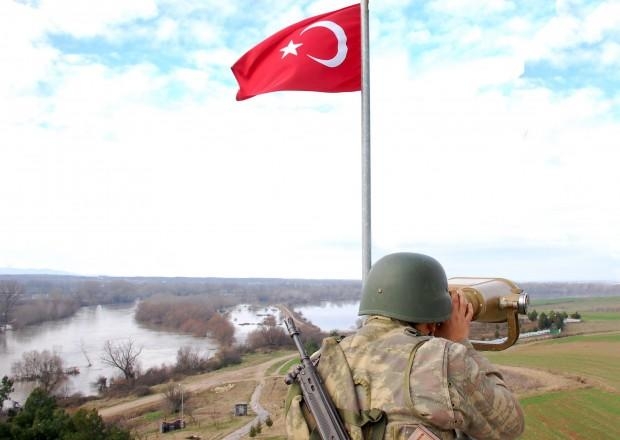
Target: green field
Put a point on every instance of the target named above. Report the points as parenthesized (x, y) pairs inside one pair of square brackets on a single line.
[(570, 305), (590, 413), (600, 316), (578, 414)]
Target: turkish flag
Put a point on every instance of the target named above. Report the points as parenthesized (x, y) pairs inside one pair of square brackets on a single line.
[(320, 54)]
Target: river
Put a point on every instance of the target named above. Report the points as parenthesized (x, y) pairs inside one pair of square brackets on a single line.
[(81, 337)]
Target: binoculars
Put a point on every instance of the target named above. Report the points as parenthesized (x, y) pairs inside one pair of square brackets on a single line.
[(494, 300)]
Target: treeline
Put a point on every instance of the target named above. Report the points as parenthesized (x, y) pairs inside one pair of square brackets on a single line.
[(44, 309), (197, 315), (570, 289), (50, 297), (109, 290)]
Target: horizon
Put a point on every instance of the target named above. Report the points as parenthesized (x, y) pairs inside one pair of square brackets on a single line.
[(8, 272)]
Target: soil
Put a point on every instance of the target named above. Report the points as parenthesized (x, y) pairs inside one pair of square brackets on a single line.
[(528, 381)]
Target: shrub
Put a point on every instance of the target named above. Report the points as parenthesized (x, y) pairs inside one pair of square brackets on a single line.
[(142, 390)]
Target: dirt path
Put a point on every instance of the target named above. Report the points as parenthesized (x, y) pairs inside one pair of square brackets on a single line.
[(529, 381), (196, 383)]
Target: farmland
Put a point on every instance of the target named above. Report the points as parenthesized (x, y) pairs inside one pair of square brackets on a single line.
[(587, 403)]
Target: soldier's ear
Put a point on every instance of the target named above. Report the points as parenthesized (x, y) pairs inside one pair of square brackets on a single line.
[(427, 329)]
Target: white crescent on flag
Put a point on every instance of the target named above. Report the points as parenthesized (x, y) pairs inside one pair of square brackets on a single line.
[(340, 35)]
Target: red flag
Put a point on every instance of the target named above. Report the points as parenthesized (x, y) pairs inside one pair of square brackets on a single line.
[(320, 54)]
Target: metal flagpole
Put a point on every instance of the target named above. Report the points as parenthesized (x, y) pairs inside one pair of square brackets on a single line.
[(366, 212)]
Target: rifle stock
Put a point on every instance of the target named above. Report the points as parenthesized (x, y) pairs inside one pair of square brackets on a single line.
[(327, 419)]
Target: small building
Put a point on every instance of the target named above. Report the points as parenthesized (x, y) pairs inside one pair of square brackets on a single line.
[(241, 409)]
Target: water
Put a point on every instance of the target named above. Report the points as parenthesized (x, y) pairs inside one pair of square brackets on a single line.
[(247, 318), (83, 335), (332, 316)]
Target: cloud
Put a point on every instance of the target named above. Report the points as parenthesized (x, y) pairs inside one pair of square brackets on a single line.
[(85, 19), (492, 142), (471, 7)]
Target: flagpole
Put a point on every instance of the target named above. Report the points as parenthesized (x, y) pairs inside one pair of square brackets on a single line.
[(366, 212)]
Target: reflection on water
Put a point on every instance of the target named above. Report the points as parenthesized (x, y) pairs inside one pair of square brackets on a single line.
[(247, 318), (331, 316), (327, 316), (81, 337)]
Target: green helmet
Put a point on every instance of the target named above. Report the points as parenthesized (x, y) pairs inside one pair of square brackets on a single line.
[(407, 286)]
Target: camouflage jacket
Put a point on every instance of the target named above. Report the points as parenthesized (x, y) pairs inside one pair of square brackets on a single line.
[(414, 379)]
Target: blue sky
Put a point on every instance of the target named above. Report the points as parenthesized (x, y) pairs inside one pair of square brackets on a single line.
[(495, 134)]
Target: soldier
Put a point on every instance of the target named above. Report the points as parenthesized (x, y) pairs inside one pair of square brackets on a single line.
[(410, 369)]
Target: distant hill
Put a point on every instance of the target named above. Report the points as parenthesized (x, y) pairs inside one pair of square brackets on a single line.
[(103, 289), (19, 271), (570, 289)]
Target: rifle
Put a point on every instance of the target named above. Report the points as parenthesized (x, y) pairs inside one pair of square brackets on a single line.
[(328, 420)]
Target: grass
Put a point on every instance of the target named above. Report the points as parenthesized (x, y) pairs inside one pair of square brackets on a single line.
[(570, 304), (285, 367), (278, 368), (600, 316), (153, 415), (578, 414), (590, 356), (584, 413), (209, 413)]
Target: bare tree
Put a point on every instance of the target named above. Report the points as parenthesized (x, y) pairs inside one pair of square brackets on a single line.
[(174, 397), (122, 355), (10, 293), (84, 352), (221, 329), (45, 367), (268, 335), (190, 359), (101, 383)]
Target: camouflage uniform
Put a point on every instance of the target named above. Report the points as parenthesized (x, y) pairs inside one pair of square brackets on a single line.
[(414, 379)]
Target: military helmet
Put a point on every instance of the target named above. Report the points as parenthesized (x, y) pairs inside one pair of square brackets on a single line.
[(407, 286)]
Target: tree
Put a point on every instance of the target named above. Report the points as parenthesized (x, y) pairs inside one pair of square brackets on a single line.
[(10, 294), (221, 329), (42, 419), (46, 367), (6, 388), (268, 335), (122, 355), (543, 321), (190, 359), (101, 383), (175, 398), (533, 315)]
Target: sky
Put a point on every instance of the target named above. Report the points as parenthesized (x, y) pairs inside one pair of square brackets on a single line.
[(495, 128)]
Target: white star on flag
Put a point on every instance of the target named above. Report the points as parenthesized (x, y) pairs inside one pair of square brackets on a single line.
[(290, 49)]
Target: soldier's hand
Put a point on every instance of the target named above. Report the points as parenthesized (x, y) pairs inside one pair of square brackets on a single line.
[(456, 328)]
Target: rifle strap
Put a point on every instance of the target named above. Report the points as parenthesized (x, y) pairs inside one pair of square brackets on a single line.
[(372, 422)]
